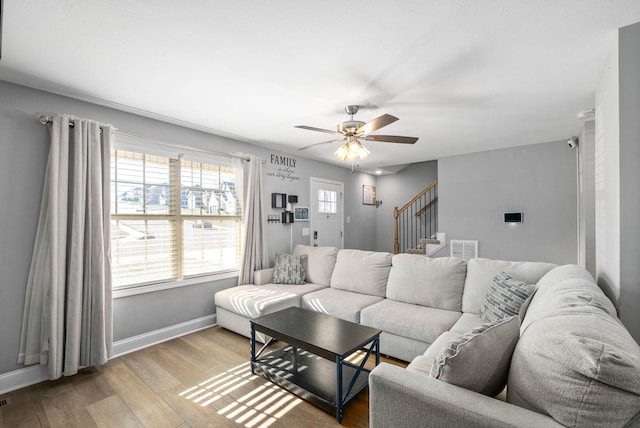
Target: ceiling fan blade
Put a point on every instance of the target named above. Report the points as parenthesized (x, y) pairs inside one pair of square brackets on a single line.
[(376, 124), (311, 128), (317, 144), (390, 139)]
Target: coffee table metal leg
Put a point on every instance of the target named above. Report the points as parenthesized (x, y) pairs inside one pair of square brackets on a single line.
[(377, 345), (252, 340), (339, 399)]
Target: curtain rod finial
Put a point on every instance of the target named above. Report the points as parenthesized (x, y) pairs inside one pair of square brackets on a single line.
[(44, 119)]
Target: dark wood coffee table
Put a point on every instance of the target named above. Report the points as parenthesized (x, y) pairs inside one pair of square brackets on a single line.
[(313, 365)]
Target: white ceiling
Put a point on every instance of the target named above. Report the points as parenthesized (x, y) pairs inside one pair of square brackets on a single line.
[(463, 76)]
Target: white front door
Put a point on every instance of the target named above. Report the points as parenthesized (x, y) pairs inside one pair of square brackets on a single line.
[(325, 217)]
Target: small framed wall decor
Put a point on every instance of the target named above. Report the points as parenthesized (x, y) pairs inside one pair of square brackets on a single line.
[(368, 195), (301, 213)]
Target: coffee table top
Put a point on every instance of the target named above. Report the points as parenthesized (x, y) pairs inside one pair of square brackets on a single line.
[(316, 332)]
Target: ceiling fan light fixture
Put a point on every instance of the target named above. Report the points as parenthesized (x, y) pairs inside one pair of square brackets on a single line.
[(352, 150), (361, 150), (342, 152)]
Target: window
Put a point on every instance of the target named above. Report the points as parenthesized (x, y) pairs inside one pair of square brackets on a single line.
[(327, 202), (172, 218)]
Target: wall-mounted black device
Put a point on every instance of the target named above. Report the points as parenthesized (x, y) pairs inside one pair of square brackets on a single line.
[(292, 199), (513, 217)]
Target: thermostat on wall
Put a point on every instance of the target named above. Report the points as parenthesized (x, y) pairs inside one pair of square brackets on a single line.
[(513, 217)]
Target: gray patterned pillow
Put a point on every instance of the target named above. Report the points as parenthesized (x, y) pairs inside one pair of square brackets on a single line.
[(479, 360), (289, 269), (504, 298)]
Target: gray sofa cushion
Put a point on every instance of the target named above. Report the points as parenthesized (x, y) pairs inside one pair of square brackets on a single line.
[(364, 272), (252, 301), (479, 360), (466, 322), (567, 288), (425, 281), (422, 364), (413, 321), (575, 361), (581, 369), (341, 304), (321, 261), (480, 272)]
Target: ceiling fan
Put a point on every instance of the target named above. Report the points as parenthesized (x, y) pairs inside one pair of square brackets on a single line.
[(354, 130)]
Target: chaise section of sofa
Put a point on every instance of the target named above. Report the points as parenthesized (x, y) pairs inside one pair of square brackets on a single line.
[(236, 306)]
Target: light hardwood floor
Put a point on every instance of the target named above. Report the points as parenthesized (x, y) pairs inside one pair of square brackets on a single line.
[(198, 380)]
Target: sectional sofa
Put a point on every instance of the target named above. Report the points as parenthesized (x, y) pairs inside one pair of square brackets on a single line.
[(569, 361)]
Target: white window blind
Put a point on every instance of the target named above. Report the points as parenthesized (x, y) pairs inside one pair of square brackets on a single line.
[(172, 218)]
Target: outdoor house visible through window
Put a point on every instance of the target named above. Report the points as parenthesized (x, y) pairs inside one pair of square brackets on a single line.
[(327, 202), (172, 218)]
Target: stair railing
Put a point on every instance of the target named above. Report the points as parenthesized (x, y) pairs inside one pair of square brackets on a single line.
[(417, 219)]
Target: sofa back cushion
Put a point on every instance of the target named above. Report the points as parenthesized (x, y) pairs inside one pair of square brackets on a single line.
[(566, 288), (480, 272), (320, 263), (421, 280), (361, 271), (575, 361)]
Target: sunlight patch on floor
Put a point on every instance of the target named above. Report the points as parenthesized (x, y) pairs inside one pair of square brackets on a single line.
[(260, 407)]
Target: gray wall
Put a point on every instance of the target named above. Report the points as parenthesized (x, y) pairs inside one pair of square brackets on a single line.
[(360, 232), (395, 191), (24, 145), (539, 180), (629, 57)]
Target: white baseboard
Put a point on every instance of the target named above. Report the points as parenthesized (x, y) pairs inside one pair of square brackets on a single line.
[(22, 377), (126, 346), (37, 373)]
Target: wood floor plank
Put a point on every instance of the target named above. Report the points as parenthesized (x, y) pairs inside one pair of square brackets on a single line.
[(64, 409), (145, 404), (91, 385), (151, 373), (196, 357), (177, 366), (219, 345), (26, 409), (112, 412)]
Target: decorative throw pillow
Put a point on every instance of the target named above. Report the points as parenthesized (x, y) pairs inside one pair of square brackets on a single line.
[(504, 298), (289, 269), (479, 360)]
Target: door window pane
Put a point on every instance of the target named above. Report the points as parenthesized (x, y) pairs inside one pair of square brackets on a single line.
[(327, 202)]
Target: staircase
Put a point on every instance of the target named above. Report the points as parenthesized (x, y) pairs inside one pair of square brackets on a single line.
[(416, 224)]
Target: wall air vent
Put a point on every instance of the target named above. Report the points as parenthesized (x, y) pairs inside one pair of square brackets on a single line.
[(465, 250)]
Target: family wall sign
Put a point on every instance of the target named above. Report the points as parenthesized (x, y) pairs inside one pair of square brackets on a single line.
[(283, 168)]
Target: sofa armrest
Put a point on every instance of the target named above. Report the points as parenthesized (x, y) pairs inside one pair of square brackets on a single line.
[(401, 398), (263, 276)]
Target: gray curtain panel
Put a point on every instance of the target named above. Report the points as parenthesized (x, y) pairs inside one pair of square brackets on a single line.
[(254, 248), (67, 322)]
